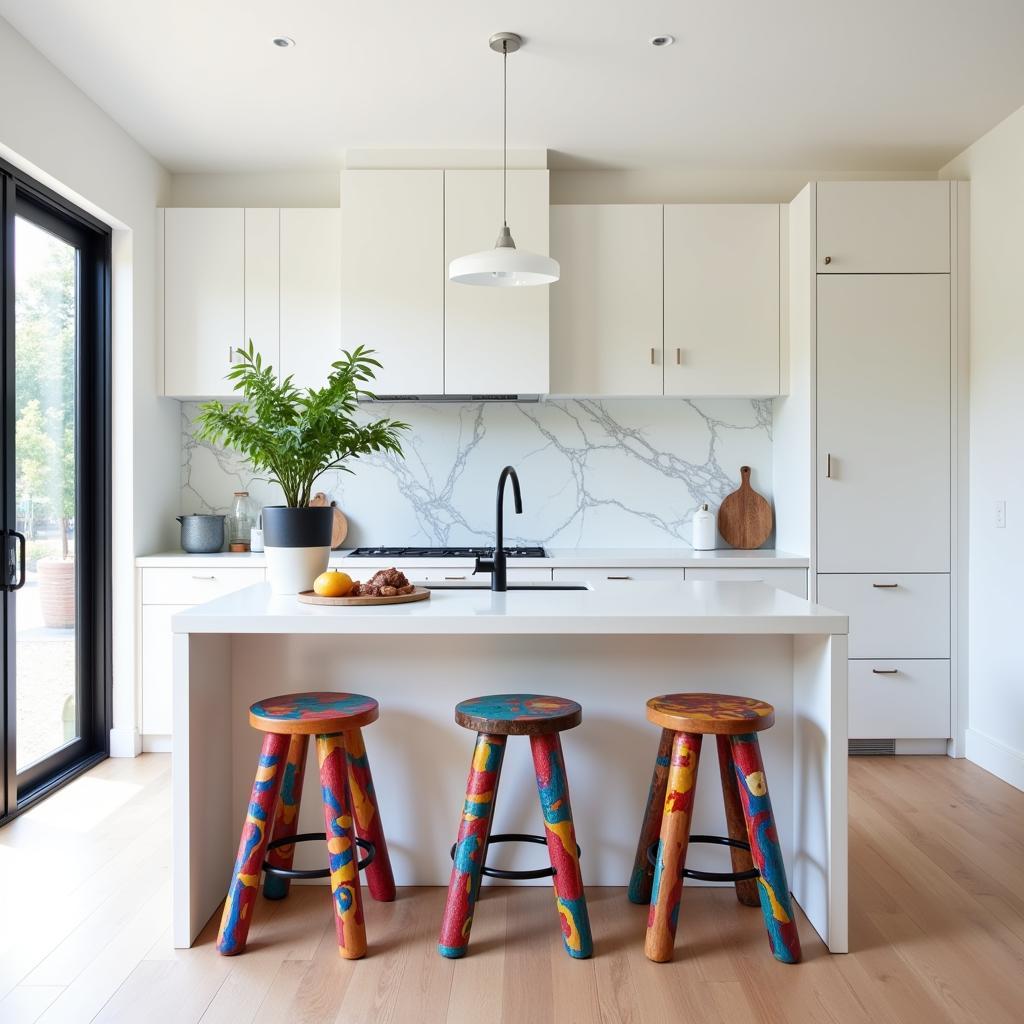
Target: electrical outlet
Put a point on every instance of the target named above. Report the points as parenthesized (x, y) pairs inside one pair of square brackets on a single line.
[(1000, 515)]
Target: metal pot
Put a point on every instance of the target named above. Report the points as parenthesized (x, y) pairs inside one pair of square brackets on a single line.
[(201, 535)]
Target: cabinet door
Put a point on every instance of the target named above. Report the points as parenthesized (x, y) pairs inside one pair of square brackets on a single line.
[(620, 578), (155, 665), (496, 339), (793, 581), (722, 288), (310, 294), (900, 700), (392, 276), (606, 310), (204, 299), (883, 227), (262, 280), (883, 423)]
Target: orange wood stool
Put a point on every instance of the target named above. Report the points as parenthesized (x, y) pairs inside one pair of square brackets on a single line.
[(351, 814), (660, 864)]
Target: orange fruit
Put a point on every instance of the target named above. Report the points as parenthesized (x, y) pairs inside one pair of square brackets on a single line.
[(332, 583)]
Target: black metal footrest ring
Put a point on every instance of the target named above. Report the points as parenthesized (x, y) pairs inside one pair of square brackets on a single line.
[(516, 876), (308, 837), (710, 876)]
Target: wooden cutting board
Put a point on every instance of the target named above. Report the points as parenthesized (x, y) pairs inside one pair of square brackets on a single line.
[(745, 518), (339, 531), (418, 594)]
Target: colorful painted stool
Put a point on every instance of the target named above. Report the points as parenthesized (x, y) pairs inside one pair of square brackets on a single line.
[(272, 817), (758, 871), (493, 719)]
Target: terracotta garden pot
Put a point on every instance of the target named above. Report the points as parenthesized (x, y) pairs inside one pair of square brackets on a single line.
[(57, 592)]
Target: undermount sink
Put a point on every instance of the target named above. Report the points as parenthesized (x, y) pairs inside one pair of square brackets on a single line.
[(512, 586)]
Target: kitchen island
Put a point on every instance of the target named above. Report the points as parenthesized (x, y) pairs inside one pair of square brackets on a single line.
[(608, 651)]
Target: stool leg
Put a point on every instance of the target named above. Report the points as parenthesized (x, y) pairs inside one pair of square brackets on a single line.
[(245, 879), (341, 847), (471, 846), (571, 900), (286, 819), (776, 905), (379, 877), (747, 889), (643, 871), (667, 888)]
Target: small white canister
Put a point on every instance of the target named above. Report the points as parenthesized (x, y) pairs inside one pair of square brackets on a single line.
[(704, 532)]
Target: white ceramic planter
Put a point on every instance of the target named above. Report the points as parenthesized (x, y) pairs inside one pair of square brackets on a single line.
[(297, 546)]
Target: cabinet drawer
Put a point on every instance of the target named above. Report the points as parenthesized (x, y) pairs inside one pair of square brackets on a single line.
[(195, 586), (892, 615), (793, 581), (899, 699), (599, 578), (359, 570)]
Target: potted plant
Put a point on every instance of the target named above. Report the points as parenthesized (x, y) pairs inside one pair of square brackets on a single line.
[(294, 435)]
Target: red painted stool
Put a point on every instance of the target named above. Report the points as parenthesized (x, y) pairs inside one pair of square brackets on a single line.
[(493, 719), (758, 871), (271, 819)]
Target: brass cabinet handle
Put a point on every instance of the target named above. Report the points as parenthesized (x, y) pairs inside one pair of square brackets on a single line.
[(455, 577), (679, 357), (204, 578), (885, 586), (652, 357), (885, 671), (828, 260), (618, 577), (828, 465)]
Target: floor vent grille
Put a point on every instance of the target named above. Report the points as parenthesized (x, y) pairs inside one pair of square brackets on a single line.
[(872, 748)]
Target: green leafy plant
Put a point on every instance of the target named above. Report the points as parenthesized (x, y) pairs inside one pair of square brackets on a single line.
[(294, 435)]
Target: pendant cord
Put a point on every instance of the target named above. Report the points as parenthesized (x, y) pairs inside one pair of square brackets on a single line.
[(504, 133)]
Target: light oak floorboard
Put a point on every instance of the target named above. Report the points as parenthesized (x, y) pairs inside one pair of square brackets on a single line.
[(937, 928)]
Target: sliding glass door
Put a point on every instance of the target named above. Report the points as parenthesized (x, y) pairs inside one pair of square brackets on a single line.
[(55, 397)]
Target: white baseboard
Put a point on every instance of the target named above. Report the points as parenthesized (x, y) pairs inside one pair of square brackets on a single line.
[(154, 744), (996, 757), (125, 743)]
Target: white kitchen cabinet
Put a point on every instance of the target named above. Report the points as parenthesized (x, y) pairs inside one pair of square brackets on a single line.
[(196, 586), (204, 298), (602, 578), (606, 310), (722, 299), (883, 227), (262, 274), (496, 339), (899, 699), (310, 294), (155, 661), (793, 581), (883, 408), (392, 275), (892, 615)]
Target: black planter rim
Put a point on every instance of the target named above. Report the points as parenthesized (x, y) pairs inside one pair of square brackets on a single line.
[(287, 527)]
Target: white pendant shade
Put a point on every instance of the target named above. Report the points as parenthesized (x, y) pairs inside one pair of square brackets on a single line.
[(503, 268)]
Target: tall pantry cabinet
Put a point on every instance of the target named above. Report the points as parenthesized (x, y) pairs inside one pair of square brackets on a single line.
[(876, 331)]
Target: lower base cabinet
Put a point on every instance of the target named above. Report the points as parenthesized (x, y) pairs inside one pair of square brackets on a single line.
[(899, 699)]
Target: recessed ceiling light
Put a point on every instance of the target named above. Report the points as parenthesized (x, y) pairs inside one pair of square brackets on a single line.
[(662, 40), (283, 41)]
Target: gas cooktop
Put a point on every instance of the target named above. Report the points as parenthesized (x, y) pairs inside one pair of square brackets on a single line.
[(528, 552)]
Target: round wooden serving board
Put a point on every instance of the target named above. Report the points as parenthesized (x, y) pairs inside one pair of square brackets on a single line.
[(745, 518), (339, 529), (418, 594)]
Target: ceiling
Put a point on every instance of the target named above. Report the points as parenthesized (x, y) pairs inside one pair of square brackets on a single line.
[(824, 84)]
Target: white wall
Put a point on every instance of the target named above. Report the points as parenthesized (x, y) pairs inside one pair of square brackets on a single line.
[(994, 165), (53, 131)]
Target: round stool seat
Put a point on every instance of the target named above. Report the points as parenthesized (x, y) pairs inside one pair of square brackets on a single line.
[(518, 714), (712, 714), (298, 714)]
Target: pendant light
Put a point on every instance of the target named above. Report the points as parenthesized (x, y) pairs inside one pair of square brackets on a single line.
[(504, 266)]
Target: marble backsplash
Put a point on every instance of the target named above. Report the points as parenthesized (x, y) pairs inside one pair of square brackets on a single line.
[(614, 473)]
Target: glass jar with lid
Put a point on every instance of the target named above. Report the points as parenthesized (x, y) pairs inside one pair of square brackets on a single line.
[(241, 521)]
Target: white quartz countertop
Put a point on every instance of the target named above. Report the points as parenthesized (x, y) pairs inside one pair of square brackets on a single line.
[(557, 558), (655, 608)]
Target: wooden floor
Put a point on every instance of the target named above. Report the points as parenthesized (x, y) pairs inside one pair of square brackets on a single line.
[(937, 928)]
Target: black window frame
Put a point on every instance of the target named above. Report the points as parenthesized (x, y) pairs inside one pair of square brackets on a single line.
[(20, 194)]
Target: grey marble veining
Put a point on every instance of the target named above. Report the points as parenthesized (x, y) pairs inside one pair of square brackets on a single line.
[(624, 472)]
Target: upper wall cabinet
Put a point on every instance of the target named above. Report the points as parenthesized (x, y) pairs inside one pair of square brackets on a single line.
[(496, 339), (606, 311), (262, 277), (310, 294), (204, 300), (392, 276), (883, 227), (722, 299)]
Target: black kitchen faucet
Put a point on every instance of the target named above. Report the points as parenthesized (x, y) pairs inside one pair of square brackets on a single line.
[(496, 564)]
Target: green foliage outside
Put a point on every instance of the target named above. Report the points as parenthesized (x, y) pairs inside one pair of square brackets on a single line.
[(295, 435)]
